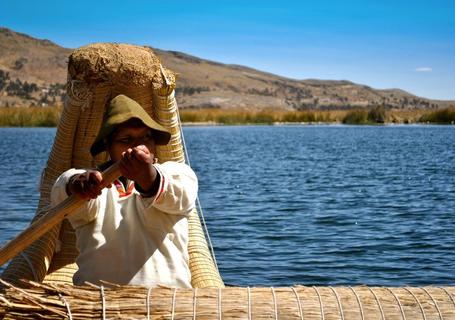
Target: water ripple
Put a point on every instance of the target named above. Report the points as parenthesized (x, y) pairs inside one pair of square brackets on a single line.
[(313, 205)]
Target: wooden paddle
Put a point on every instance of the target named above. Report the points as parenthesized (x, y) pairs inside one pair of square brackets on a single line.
[(50, 219)]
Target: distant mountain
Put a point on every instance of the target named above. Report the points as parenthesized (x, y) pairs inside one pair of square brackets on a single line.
[(33, 71)]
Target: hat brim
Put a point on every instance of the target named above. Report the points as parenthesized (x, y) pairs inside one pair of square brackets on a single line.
[(159, 136), (120, 110)]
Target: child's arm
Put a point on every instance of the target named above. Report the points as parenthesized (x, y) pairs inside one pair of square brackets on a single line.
[(83, 183), (86, 185), (137, 165), (177, 190), (170, 187)]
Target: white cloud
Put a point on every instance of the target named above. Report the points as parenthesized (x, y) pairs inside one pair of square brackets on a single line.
[(424, 69)]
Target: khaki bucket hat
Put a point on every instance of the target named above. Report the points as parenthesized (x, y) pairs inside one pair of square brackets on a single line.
[(120, 110)]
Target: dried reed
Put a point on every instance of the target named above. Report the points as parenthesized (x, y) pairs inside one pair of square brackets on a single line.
[(46, 301)]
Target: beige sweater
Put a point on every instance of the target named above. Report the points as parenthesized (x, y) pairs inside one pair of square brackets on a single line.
[(125, 238)]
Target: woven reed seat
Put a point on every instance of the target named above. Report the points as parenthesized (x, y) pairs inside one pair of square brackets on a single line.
[(97, 73)]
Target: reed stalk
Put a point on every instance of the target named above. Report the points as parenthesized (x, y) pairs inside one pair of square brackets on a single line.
[(30, 117), (58, 301), (444, 116), (49, 116)]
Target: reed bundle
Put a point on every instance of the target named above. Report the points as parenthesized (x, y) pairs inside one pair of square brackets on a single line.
[(96, 74), (63, 301)]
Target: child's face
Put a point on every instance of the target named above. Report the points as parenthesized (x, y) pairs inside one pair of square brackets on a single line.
[(130, 135)]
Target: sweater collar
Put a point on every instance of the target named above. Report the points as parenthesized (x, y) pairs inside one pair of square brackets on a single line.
[(122, 190)]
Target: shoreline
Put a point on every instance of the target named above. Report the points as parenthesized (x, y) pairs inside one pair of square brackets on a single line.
[(284, 124), (50, 116), (334, 124)]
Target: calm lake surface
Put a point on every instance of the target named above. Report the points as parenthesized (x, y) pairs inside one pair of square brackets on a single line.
[(325, 205)]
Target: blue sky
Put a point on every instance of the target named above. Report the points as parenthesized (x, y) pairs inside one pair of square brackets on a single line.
[(384, 44)]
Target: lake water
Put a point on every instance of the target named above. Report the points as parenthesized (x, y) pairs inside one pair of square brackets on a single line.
[(325, 205)]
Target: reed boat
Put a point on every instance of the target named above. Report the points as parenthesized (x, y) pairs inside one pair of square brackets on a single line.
[(37, 284)]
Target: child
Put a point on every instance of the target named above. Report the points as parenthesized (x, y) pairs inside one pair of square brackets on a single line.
[(136, 232)]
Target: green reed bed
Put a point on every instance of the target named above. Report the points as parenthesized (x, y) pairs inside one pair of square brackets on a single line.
[(49, 116), (366, 116), (376, 115), (29, 117), (356, 117), (222, 116), (381, 115), (444, 116)]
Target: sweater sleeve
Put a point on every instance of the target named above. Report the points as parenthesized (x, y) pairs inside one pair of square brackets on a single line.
[(82, 215), (178, 188)]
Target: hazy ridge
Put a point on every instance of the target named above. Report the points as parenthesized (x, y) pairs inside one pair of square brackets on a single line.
[(33, 72)]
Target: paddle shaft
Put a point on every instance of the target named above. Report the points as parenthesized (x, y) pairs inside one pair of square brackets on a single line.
[(50, 219)]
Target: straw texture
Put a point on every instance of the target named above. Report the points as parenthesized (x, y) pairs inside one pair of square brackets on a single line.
[(96, 73), (35, 260), (202, 267), (330, 303)]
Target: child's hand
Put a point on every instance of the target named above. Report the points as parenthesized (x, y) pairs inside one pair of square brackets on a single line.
[(137, 164), (87, 185)]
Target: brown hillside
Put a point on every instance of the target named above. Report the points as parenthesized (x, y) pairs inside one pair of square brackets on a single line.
[(32, 60), (201, 83)]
